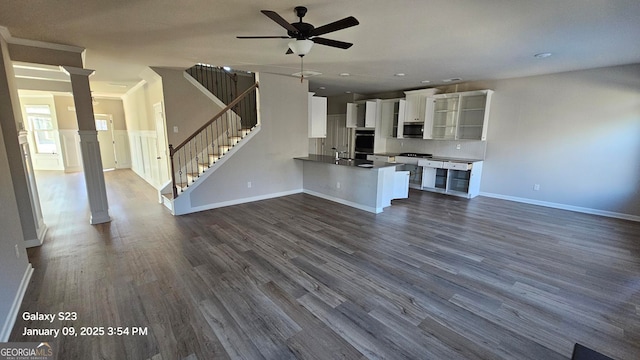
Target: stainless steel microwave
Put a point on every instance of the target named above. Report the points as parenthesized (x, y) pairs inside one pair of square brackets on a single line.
[(413, 130)]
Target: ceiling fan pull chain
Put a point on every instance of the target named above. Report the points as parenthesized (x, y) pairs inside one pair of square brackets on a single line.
[(301, 68)]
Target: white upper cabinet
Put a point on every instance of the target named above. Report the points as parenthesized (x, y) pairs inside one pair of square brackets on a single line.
[(474, 115), (317, 116), (458, 116), (415, 104), (398, 131), (413, 111), (363, 114), (445, 116), (371, 114), (352, 115)]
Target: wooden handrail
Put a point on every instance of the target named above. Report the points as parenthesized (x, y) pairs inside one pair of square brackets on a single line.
[(219, 115)]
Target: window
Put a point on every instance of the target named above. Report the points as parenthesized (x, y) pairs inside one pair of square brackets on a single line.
[(101, 125), (41, 126)]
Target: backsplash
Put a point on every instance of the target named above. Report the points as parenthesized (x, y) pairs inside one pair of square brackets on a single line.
[(469, 149)]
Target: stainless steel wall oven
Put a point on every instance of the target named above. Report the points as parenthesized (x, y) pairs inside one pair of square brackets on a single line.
[(364, 140)]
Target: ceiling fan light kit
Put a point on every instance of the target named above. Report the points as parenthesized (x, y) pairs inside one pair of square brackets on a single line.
[(300, 47), (304, 35)]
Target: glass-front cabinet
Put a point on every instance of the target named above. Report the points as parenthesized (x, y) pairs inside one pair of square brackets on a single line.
[(459, 116), (471, 118), (445, 116)]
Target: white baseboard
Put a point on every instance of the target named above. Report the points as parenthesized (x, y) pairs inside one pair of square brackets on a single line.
[(100, 218), (42, 232), (237, 201), (563, 206), (15, 307), (344, 202)]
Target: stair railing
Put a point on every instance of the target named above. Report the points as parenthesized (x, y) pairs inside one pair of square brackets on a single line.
[(220, 82), (212, 140)]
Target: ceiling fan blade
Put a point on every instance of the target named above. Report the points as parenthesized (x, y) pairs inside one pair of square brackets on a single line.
[(280, 20), (333, 43), (335, 26), (289, 52), (262, 37)]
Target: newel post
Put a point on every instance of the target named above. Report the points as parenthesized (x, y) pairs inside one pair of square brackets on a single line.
[(173, 173)]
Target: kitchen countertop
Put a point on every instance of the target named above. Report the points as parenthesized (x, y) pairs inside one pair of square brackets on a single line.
[(442, 158), (356, 163), (435, 158)]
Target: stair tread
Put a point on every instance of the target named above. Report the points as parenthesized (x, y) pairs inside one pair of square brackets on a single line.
[(219, 151)]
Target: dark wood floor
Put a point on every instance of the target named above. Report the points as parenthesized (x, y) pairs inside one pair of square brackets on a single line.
[(433, 277)]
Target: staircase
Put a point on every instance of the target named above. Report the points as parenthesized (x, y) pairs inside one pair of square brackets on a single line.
[(209, 146), (221, 83)]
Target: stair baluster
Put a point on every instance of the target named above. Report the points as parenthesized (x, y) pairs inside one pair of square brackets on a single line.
[(227, 128)]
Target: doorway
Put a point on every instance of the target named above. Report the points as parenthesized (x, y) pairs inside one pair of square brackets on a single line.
[(104, 126), (162, 149)]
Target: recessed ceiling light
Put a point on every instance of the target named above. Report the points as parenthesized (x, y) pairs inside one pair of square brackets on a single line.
[(399, 74), (347, 92), (425, 81), (542, 55), (321, 88), (344, 74), (451, 80)]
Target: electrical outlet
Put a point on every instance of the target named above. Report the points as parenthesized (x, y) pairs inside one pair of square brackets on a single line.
[(175, 129), (17, 252), (249, 184), (536, 187), (338, 184), (458, 147)]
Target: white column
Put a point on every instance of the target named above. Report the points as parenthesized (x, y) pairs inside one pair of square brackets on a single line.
[(40, 226), (89, 146)]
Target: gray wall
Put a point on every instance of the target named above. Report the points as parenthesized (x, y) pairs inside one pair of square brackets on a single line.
[(186, 107), (267, 159), (577, 134), (12, 269)]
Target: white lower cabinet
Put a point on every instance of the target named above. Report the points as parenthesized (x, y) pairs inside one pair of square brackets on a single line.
[(452, 177), (401, 185)]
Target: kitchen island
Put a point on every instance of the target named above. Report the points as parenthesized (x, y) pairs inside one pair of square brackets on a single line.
[(363, 184)]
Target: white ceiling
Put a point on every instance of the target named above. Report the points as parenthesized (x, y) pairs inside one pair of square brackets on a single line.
[(425, 39)]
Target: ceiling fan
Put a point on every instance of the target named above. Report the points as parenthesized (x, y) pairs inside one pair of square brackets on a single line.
[(304, 35)]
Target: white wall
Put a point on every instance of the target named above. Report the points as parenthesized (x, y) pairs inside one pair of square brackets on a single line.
[(267, 159), (577, 134), (141, 132), (14, 271)]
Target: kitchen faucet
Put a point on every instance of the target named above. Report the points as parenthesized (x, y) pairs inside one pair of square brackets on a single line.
[(337, 153)]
